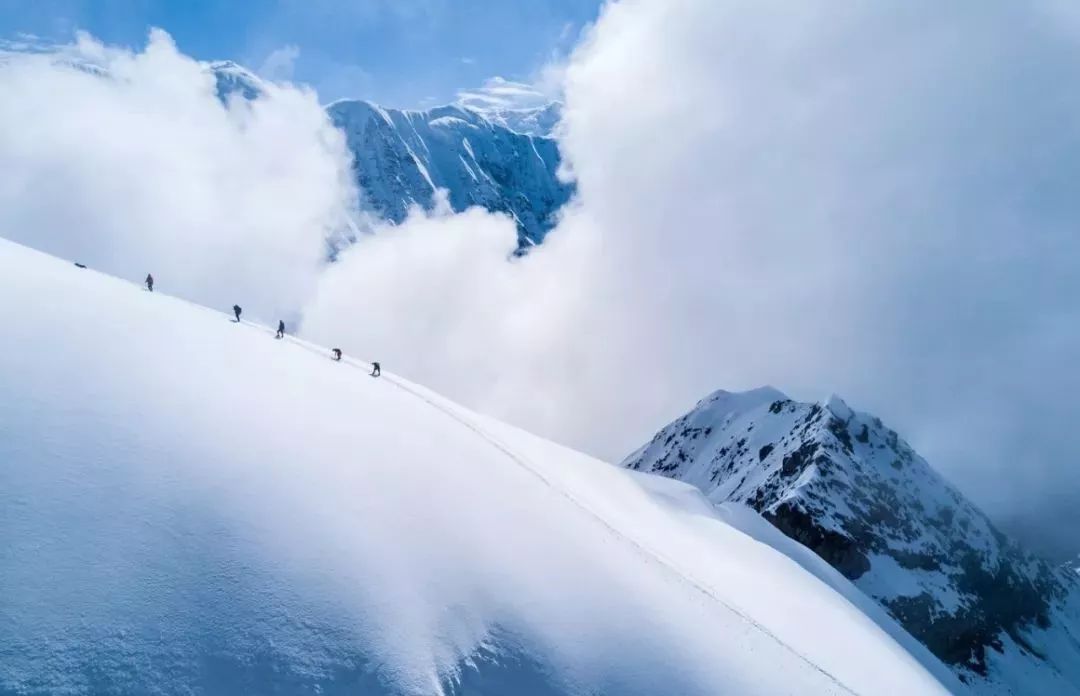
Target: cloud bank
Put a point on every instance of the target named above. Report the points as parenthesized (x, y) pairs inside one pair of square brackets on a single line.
[(499, 93), (128, 162), (872, 200)]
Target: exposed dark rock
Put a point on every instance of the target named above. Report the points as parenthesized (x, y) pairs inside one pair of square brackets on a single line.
[(799, 459), (839, 428), (838, 550)]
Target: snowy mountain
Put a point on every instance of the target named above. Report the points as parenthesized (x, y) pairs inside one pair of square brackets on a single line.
[(501, 159), (188, 506), (518, 106), (843, 484), (401, 157), (233, 79)]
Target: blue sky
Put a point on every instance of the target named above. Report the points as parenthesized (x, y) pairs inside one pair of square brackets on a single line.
[(404, 53)]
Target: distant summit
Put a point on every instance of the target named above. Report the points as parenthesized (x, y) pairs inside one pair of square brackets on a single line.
[(843, 484), (235, 79), (539, 121), (401, 157), (483, 152), (514, 105)]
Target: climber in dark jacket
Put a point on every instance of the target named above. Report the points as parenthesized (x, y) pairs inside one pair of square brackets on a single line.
[(236, 310), (376, 370), (280, 329), (337, 353), (149, 282)]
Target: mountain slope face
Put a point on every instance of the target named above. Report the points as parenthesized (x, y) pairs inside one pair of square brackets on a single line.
[(401, 157), (501, 159), (846, 486), (189, 506)]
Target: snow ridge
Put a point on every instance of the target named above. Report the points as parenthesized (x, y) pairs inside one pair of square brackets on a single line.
[(189, 506)]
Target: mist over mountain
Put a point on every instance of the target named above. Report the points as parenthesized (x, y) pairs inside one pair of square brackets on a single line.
[(502, 159), (401, 158)]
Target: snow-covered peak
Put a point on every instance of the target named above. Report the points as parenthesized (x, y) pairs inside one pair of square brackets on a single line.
[(482, 154), (233, 79), (188, 505), (401, 157), (849, 488), (839, 408), (538, 120), (726, 404)]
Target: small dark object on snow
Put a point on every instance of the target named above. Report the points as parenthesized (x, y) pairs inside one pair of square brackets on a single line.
[(280, 329), (149, 282), (337, 353), (376, 370), (236, 310), (80, 265)]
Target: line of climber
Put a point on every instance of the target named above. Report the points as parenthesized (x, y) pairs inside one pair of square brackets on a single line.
[(376, 369)]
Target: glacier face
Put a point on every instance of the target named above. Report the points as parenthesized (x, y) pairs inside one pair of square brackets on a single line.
[(501, 159), (401, 157), (845, 485)]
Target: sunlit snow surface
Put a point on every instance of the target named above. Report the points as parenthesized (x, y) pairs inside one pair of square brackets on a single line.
[(190, 506)]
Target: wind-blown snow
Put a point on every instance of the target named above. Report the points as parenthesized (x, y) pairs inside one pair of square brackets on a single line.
[(189, 506), (521, 107)]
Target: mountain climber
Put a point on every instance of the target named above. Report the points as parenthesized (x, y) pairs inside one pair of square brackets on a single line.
[(337, 353), (236, 310), (376, 370), (280, 329), (149, 282)]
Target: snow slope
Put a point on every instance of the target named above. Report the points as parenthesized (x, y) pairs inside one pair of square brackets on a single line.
[(846, 486), (190, 506)]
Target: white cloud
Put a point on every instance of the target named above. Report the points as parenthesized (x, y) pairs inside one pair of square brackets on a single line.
[(870, 199), (498, 93), (280, 64), (129, 163), (439, 299)]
